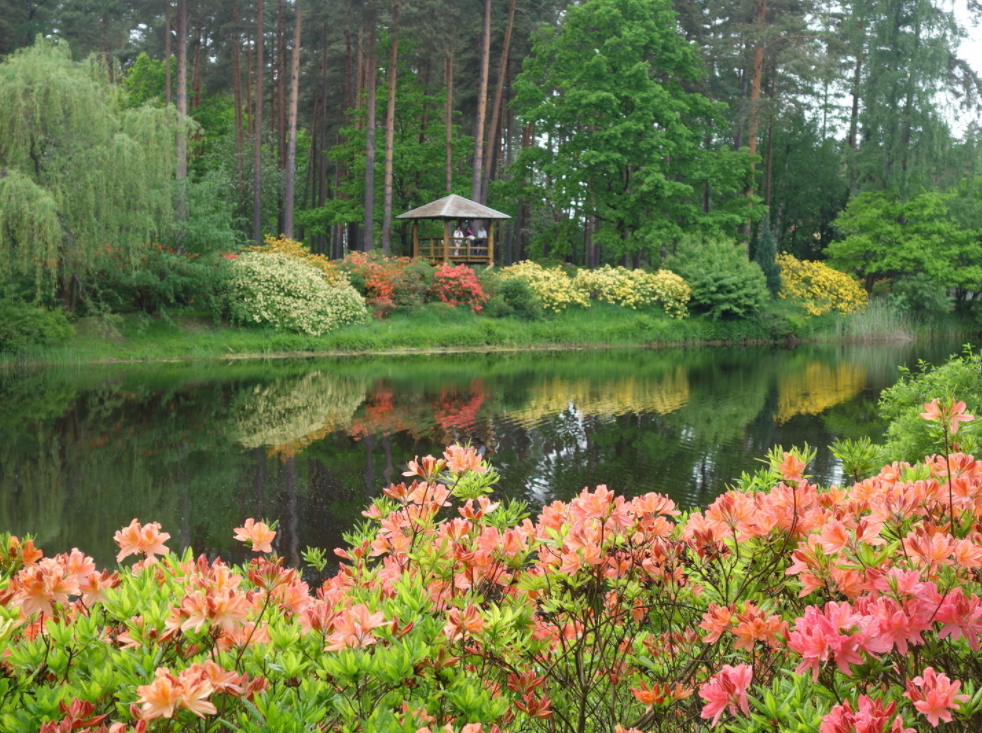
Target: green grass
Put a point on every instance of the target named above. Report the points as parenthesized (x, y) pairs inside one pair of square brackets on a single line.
[(437, 327), (135, 338)]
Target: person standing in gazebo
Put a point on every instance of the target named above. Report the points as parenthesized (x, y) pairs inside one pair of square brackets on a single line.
[(481, 242), (458, 237)]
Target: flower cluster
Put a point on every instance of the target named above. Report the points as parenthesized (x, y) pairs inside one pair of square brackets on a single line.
[(458, 286), (283, 292), (780, 606), (553, 287), (818, 288), (291, 248), (636, 288)]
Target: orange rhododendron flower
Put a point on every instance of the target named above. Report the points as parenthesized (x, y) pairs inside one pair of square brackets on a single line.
[(148, 541), (257, 534), (954, 413)]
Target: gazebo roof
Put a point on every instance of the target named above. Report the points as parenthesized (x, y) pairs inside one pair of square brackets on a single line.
[(453, 207)]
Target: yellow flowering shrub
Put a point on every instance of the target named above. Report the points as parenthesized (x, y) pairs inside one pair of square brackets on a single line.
[(292, 248), (818, 288), (552, 286), (276, 290), (636, 288)]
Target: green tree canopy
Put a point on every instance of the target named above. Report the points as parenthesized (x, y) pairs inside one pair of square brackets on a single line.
[(83, 180), (886, 237), (620, 138)]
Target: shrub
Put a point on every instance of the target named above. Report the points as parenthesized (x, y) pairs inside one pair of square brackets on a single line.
[(389, 283), (411, 284), (553, 287), (277, 290), (783, 606), (514, 297), (23, 325), (291, 248), (163, 279), (818, 288), (636, 288), (458, 286), (908, 436), (725, 284)]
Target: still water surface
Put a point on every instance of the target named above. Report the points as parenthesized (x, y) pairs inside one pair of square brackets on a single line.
[(201, 447)]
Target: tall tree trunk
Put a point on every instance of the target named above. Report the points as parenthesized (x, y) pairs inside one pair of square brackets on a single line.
[(482, 104), (770, 145), (250, 112), (448, 120), (279, 115), (167, 54), (371, 68), (237, 92), (758, 73), (257, 193), (499, 92), (854, 122), (390, 131), (196, 70), (182, 108), (291, 141)]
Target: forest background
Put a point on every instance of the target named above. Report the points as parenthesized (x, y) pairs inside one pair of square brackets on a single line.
[(610, 131)]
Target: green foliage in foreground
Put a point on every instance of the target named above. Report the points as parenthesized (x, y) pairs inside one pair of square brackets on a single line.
[(23, 325)]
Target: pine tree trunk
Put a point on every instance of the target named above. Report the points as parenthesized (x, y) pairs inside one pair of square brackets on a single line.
[(167, 54), (482, 104), (182, 107), (758, 73), (257, 192), (448, 121), (854, 122), (291, 141), (371, 67), (279, 115), (237, 91), (390, 131), (493, 131), (196, 70)]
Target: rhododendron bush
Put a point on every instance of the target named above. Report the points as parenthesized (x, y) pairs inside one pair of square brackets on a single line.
[(783, 606)]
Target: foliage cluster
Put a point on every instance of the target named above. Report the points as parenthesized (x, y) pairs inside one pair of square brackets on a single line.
[(23, 325), (908, 436), (512, 297), (292, 248), (782, 606), (817, 288), (636, 288), (725, 284), (551, 285), (276, 290), (161, 279), (389, 283), (458, 285)]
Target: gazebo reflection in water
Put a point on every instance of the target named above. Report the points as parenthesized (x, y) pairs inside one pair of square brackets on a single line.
[(452, 212)]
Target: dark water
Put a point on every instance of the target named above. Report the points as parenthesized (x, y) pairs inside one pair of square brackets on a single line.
[(201, 447)]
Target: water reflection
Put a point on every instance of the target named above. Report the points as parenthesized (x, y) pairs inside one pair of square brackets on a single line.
[(201, 447)]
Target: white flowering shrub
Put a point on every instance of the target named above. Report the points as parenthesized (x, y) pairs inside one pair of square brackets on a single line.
[(636, 288), (552, 286), (286, 293)]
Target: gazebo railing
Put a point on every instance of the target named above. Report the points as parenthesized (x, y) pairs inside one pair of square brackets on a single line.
[(460, 250)]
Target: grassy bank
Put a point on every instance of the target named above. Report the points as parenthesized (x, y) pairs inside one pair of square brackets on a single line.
[(187, 336)]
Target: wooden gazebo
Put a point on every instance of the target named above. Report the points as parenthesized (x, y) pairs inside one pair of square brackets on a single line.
[(446, 248)]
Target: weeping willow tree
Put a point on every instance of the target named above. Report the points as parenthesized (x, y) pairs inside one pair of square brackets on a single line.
[(85, 184)]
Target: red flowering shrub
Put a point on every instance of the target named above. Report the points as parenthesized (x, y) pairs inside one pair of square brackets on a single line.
[(458, 285), (388, 283), (783, 606)]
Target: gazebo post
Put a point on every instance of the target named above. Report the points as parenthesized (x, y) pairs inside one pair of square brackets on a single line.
[(491, 224), (446, 241), (415, 237)]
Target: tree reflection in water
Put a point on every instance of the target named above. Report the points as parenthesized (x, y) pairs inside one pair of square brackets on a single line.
[(81, 454)]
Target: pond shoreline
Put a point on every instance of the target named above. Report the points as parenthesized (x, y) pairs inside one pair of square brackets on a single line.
[(194, 338)]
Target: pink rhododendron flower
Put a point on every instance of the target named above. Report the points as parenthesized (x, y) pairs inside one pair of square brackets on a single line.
[(954, 413), (727, 690), (870, 717), (148, 540)]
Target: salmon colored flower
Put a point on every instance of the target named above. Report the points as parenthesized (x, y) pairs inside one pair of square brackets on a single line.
[(257, 534), (935, 696), (461, 459), (954, 413), (160, 697), (791, 469), (148, 540), (354, 628)]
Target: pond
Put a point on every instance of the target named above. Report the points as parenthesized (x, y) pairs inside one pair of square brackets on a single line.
[(201, 446)]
